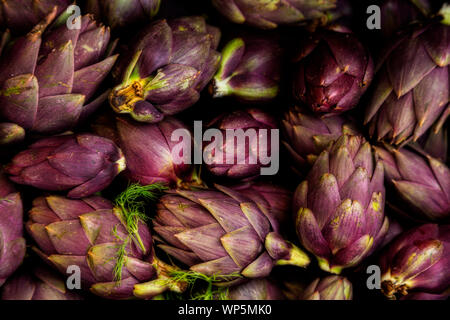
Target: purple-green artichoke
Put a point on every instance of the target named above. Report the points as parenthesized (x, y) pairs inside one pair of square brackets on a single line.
[(250, 70), (340, 206), (329, 288), (50, 77), (421, 181), (249, 155), (21, 15), (37, 284), (112, 247), (411, 90), (123, 13), (257, 289), (12, 243), (333, 70), (172, 61), (269, 14), (11, 133), (417, 263), (83, 164), (222, 232), (307, 135)]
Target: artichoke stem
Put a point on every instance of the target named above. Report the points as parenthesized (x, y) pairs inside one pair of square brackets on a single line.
[(123, 100), (219, 88), (297, 257), (390, 289)]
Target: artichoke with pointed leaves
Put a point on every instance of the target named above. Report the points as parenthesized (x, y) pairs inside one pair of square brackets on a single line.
[(416, 265), (340, 206), (21, 15), (329, 288), (250, 70), (12, 243), (333, 70), (123, 13), (411, 91), (307, 135), (421, 181), (38, 283), (82, 164), (112, 248), (249, 151), (256, 289), (172, 61), (222, 232), (49, 78), (270, 14)]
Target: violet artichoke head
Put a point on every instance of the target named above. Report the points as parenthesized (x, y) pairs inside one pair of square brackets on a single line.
[(333, 70), (223, 233), (307, 135), (256, 289), (417, 263), (49, 78), (172, 61), (421, 181), (123, 13), (250, 70), (82, 164), (12, 243), (411, 90), (249, 151), (37, 284), (340, 205), (21, 15), (329, 288), (112, 247), (269, 14)]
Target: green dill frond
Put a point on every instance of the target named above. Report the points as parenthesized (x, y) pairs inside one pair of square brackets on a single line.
[(120, 256)]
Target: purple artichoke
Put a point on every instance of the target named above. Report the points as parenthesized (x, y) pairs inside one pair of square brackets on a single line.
[(83, 164), (222, 232), (307, 135), (340, 205), (170, 64), (268, 197), (12, 244), (250, 70), (418, 263), (49, 79), (435, 143), (247, 154), (269, 14), (411, 91), (333, 70), (257, 289), (329, 288), (22, 15), (38, 284), (112, 247), (422, 182), (120, 13)]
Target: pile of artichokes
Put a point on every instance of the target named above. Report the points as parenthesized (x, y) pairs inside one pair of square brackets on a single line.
[(112, 170)]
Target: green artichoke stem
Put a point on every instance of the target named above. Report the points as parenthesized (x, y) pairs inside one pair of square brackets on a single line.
[(297, 257)]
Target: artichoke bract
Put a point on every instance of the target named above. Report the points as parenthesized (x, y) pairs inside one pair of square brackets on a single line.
[(49, 78), (12, 243), (307, 135), (82, 164), (422, 182), (172, 61), (333, 70), (340, 206), (257, 289), (417, 263), (37, 284), (329, 288), (411, 90), (269, 14), (120, 13), (248, 151), (222, 232), (112, 249), (435, 143), (21, 15), (250, 70)]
